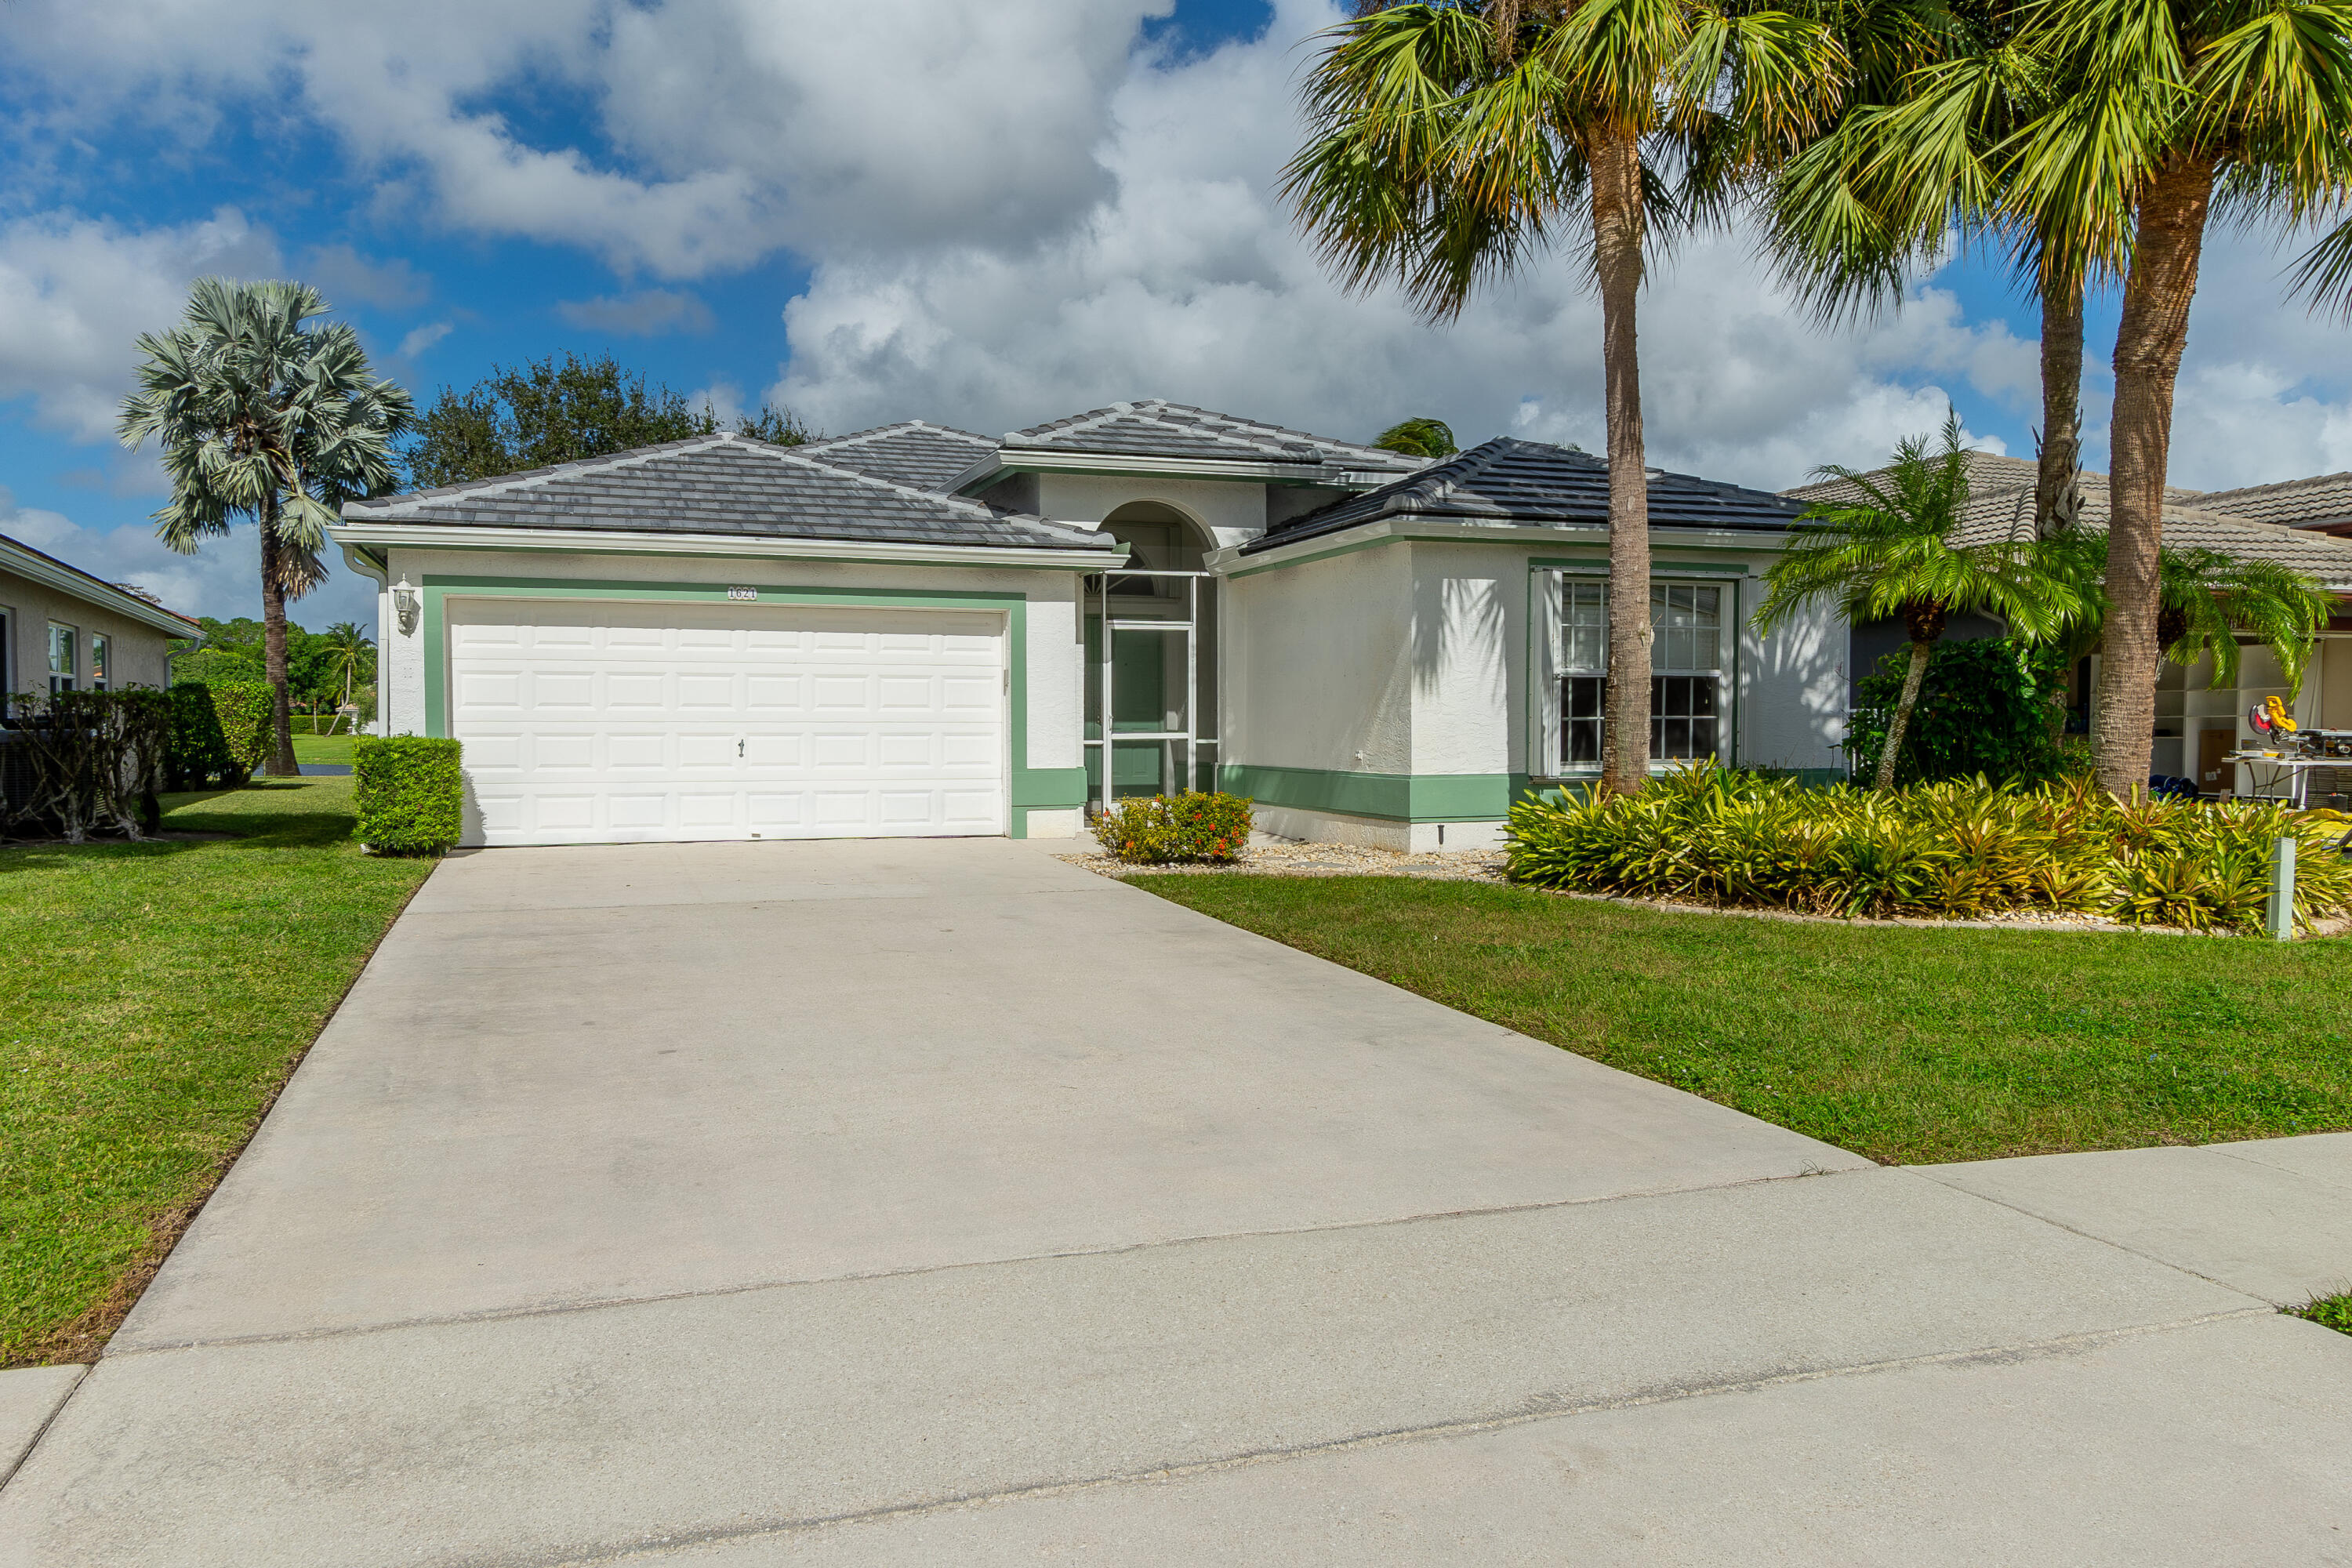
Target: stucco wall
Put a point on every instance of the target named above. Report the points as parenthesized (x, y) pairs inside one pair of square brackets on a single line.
[(141, 654), (2335, 663), (1055, 649), (1793, 685), (1234, 511), (1320, 665), (1469, 664)]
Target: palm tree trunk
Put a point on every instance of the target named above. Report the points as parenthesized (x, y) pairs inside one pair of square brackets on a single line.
[(1899, 724), (1617, 238), (2062, 403), (273, 647), (2148, 344)]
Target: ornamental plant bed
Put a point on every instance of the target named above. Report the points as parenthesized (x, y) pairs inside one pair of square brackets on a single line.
[(1950, 851)]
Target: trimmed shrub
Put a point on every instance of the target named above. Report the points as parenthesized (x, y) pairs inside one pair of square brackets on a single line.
[(410, 793), (1954, 850), (244, 710), (90, 762), (1985, 707), (217, 667), (197, 753), (1161, 828)]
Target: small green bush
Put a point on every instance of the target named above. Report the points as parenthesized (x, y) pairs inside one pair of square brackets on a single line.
[(410, 793), (1956, 849), (2327, 1312), (1985, 707), (197, 755), (245, 709), (1161, 828)]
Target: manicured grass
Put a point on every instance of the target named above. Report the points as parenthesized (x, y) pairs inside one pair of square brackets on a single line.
[(324, 749), (1906, 1045), (153, 998)]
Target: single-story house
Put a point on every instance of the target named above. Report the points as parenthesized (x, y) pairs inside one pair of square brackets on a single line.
[(911, 630), (62, 629), (2303, 525)]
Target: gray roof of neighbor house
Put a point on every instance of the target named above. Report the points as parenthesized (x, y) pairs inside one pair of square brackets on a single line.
[(908, 453), (1510, 480), (1154, 427), (2000, 502), (2323, 501), (123, 598), (724, 484)]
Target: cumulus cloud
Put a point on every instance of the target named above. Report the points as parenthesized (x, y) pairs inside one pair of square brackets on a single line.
[(74, 292), (648, 313)]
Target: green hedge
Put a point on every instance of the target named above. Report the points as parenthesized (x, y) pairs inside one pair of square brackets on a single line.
[(219, 734), (1195, 826), (410, 793), (1985, 707), (1953, 850)]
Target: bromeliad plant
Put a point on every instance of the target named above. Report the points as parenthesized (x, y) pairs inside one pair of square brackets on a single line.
[(1957, 849)]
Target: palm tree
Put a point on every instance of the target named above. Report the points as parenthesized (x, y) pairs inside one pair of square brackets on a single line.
[(2155, 112), (1894, 550), (259, 414), (1450, 141), (1418, 437), (348, 646)]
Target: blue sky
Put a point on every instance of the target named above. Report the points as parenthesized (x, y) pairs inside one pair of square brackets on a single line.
[(986, 216)]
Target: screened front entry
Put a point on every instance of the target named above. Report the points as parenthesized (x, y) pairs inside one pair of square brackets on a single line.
[(1689, 658)]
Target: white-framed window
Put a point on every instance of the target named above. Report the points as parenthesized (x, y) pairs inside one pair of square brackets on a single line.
[(102, 662), (62, 657), (1690, 671)]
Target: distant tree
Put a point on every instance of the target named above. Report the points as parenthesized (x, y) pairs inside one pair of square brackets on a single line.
[(545, 412), (353, 653), (1418, 437), (261, 412)]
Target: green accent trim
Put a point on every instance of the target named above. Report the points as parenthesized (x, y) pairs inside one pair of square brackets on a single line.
[(1394, 797), (1063, 788)]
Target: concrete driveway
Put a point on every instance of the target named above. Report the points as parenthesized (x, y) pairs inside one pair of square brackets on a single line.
[(940, 1202)]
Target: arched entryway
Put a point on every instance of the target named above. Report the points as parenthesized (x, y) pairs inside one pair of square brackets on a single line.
[(1158, 661)]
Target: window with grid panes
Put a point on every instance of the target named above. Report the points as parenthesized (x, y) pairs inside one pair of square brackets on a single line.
[(1686, 671), (62, 657), (102, 662)]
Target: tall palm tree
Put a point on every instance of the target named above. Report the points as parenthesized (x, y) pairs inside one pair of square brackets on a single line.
[(2157, 113), (1452, 140), (348, 646), (261, 415), (1894, 550)]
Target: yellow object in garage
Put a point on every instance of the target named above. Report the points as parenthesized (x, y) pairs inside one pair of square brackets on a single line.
[(2280, 720)]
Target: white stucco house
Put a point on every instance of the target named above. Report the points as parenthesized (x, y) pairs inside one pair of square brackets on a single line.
[(912, 630)]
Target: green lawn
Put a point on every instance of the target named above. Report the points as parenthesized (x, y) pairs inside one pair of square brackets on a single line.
[(1908, 1045), (155, 997), (324, 749)]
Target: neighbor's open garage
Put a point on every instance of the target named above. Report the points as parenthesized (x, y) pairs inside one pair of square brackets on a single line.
[(589, 722)]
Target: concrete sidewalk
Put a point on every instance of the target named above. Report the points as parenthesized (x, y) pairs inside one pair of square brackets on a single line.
[(942, 1201)]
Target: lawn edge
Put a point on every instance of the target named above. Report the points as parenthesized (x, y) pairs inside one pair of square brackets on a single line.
[(82, 1340)]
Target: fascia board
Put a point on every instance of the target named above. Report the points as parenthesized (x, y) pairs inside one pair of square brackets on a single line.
[(605, 542), (1385, 530), (1046, 461), (49, 574)]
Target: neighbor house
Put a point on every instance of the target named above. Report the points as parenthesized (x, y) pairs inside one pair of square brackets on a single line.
[(62, 629), (2303, 525), (920, 630)]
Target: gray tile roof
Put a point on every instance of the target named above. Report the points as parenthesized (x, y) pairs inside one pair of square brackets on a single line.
[(2323, 501), (1157, 428), (910, 453), (2000, 503), (724, 484), (1510, 480)]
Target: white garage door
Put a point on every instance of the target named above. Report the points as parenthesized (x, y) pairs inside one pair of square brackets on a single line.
[(599, 723)]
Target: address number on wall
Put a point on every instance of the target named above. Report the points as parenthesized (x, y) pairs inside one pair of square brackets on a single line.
[(742, 592)]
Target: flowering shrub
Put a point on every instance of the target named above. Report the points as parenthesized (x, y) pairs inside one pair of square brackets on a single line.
[(1960, 848), (1195, 825)]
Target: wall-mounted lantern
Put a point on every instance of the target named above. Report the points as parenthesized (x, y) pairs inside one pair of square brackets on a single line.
[(406, 602)]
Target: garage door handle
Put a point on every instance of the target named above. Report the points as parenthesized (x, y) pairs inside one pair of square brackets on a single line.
[(739, 747)]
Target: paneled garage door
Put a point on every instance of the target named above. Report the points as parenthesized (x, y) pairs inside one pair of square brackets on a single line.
[(595, 724)]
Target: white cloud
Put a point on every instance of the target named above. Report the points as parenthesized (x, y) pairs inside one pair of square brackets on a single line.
[(75, 292), (648, 313), (417, 342)]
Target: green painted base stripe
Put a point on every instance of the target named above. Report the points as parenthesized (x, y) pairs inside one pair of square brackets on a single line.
[(1394, 797)]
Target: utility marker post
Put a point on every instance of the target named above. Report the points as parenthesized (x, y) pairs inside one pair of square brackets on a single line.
[(2282, 905)]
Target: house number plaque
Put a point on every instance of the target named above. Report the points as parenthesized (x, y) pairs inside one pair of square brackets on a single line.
[(742, 592)]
